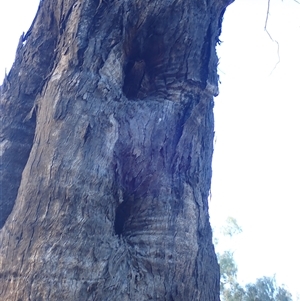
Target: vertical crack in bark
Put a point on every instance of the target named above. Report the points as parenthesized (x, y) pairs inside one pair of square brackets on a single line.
[(64, 20), (205, 58)]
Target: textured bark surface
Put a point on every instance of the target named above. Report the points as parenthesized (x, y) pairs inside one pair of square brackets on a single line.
[(106, 147)]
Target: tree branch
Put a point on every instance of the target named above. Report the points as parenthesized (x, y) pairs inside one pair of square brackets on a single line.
[(275, 41)]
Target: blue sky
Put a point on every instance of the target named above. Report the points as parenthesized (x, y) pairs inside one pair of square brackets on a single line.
[(256, 166)]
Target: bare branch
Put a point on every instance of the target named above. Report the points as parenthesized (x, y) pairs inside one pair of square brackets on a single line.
[(275, 41)]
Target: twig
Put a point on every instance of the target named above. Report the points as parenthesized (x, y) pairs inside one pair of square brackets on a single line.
[(275, 41)]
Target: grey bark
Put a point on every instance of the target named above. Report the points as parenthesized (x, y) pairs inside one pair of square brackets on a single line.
[(106, 147)]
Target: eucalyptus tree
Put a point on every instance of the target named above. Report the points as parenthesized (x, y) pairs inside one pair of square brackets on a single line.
[(106, 145)]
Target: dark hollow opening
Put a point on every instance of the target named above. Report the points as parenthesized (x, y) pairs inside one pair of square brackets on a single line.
[(122, 215), (134, 76)]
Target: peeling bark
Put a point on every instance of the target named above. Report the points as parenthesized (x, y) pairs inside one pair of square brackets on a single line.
[(106, 147)]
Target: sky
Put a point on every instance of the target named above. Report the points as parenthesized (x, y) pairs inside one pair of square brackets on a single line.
[(256, 164)]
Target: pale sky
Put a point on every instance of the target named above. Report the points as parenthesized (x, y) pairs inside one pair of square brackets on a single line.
[(256, 166)]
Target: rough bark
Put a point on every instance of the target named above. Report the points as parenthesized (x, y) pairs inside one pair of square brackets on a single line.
[(106, 147)]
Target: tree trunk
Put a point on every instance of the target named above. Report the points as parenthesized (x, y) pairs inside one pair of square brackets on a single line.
[(106, 147)]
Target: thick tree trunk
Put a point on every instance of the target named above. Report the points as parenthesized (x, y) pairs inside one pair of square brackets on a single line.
[(106, 147)]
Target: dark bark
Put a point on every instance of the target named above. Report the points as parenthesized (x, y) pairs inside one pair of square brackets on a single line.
[(106, 145)]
